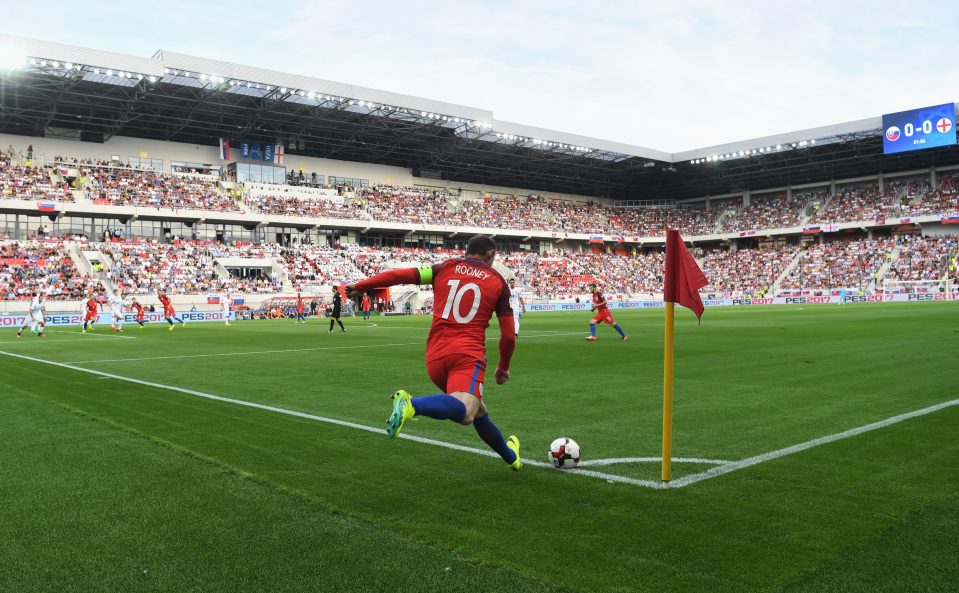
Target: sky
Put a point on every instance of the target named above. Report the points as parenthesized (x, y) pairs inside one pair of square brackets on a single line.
[(669, 75)]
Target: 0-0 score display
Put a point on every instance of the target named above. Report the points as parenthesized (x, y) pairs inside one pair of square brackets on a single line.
[(917, 129)]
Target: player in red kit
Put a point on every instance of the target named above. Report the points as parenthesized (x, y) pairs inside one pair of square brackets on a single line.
[(300, 316), (168, 312), (602, 315), (467, 292), (365, 306), (92, 313), (140, 314)]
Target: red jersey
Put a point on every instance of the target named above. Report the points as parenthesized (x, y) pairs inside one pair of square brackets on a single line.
[(366, 303), (299, 305), (91, 305), (466, 293), (138, 307), (165, 301), (599, 298)]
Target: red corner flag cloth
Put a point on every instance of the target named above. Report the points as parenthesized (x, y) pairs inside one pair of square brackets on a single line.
[(683, 276)]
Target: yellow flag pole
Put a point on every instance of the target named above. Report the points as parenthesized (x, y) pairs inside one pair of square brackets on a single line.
[(668, 394)]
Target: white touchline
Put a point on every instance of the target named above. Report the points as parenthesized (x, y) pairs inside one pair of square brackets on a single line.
[(344, 423), (179, 356), (750, 461)]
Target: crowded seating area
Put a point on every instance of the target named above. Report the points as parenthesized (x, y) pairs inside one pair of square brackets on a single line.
[(839, 264), (183, 267), (859, 203), (41, 265), (19, 182), (146, 266), (924, 258), (147, 189), (745, 272), (767, 212)]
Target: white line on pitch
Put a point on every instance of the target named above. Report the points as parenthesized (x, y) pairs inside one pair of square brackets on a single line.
[(246, 353), (750, 461), (221, 354), (344, 423), (61, 331), (618, 460)]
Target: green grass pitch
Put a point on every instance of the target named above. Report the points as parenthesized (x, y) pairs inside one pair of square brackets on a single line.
[(108, 484)]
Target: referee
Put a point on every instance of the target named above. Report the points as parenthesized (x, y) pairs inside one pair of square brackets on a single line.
[(335, 313)]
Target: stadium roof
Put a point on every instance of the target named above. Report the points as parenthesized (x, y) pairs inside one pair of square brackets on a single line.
[(63, 89)]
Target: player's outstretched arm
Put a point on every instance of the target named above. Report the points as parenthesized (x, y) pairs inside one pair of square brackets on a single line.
[(389, 278), (507, 344)]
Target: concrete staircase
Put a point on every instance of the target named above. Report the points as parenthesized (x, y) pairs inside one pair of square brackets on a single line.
[(774, 289)]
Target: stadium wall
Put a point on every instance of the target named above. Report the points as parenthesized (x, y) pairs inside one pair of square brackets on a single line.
[(45, 149)]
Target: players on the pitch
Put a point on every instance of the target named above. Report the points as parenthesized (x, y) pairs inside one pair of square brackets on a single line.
[(227, 301), (365, 306), (516, 302), (36, 318), (301, 310), (337, 310), (169, 313), (602, 314), (116, 311), (90, 317), (139, 313), (467, 292)]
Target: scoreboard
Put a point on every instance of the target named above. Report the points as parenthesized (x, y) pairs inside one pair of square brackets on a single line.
[(917, 129)]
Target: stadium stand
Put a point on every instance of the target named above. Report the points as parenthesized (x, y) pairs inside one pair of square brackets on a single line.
[(118, 186), (183, 267), (29, 266)]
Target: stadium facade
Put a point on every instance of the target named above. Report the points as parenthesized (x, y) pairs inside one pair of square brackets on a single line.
[(185, 115)]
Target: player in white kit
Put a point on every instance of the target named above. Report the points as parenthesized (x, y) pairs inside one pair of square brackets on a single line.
[(116, 310), (226, 308), (36, 319), (516, 302)]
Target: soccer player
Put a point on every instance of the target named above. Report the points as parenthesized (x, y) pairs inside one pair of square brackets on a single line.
[(169, 313), (92, 313), (226, 308), (602, 314), (300, 315), (467, 293), (516, 302), (116, 310), (365, 306), (140, 313), (337, 309), (37, 317)]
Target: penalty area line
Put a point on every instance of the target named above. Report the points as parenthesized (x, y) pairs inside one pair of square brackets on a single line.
[(344, 423)]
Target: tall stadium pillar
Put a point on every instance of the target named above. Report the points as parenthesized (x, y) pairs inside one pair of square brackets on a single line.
[(933, 177), (745, 198)]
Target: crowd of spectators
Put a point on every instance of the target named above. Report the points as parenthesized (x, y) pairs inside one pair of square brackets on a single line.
[(191, 267), (183, 267), (20, 182), (745, 272), (924, 258), (767, 212), (42, 265), (839, 264), (859, 203), (149, 189)]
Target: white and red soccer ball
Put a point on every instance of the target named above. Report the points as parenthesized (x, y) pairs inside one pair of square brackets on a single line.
[(564, 453)]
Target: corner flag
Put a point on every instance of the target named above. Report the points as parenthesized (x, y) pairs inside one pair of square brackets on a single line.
[(682, 284)]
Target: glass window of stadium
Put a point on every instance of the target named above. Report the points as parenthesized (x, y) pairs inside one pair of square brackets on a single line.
[(241, 172), (195, 168), (146, 163)]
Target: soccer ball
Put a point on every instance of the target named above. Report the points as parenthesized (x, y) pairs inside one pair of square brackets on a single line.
[(564, 453)]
